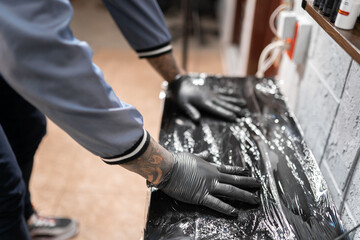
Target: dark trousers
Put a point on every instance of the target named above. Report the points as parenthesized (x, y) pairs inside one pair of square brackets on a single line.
[(22, 127)]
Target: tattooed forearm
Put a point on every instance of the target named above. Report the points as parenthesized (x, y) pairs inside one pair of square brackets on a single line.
[(153, 165), (166, 66)]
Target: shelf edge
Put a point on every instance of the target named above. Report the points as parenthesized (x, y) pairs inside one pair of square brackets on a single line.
[(333, 33)]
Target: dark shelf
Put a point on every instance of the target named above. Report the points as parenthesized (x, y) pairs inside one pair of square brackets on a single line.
[(349, 40)]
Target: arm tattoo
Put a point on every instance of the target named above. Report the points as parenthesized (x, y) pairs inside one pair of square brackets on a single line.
[(166, 66), (154, 164)]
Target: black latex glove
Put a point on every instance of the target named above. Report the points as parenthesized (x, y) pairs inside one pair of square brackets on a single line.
[(191, 98), (193, 180)]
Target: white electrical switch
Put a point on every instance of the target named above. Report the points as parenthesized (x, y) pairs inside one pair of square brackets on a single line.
[(302, 39), (286, 24)]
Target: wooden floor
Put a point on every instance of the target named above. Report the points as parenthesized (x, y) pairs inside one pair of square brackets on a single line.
[(108, 201)]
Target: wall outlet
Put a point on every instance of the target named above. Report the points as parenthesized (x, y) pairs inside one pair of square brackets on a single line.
[(286, 24), (299, 43), (296, 30)]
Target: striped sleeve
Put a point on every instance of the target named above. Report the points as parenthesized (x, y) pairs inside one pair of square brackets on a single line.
[(155, 51), (134, 152), (43, 61)]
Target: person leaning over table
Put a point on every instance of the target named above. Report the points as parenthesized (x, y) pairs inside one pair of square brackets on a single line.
[(44, 63)]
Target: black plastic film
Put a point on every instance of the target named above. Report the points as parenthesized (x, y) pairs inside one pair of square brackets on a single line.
[(295, 202)]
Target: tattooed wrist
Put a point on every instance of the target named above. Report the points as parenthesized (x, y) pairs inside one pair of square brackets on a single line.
[(166, 66), (153, 164)]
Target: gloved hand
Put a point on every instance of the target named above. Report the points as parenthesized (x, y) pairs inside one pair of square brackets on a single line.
[(193, 180), (191, 98)]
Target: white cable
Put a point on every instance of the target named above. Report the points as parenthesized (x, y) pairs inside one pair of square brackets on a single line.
[(274, 54), (273, 17), (266, 52), (264, 63), (274, 48), (269, 61)]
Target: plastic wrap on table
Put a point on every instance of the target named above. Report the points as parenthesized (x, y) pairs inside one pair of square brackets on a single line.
[(295, 201)]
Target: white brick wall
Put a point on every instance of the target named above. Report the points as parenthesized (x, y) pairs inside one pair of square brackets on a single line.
[(324, 93)]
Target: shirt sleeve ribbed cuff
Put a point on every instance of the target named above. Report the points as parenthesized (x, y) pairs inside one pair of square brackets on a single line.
[(155, 51), (134, 152)]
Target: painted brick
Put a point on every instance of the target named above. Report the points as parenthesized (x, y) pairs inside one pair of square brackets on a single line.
[(349, 142), (289, 81), (352, 201), (345, 136), (348, 224), (357, 234), (331, 61), (314, 38), (331, 183), (316, 111)]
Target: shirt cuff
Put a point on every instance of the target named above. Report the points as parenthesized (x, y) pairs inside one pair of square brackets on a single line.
[(155, 51), (134, 152)]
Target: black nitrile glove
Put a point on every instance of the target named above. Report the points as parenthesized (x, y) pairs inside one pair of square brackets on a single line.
[(191, 98), (193, 180)]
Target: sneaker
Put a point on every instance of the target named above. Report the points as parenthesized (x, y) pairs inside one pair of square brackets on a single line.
[(51, 228)]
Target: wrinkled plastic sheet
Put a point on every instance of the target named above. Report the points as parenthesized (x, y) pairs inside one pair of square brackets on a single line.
[(295, 201)]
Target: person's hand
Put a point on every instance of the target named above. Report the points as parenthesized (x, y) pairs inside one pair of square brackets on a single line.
[(192, 97), (195, 181), (191, 179)]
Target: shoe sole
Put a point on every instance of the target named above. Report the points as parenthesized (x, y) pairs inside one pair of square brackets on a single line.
[(70, 234)]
